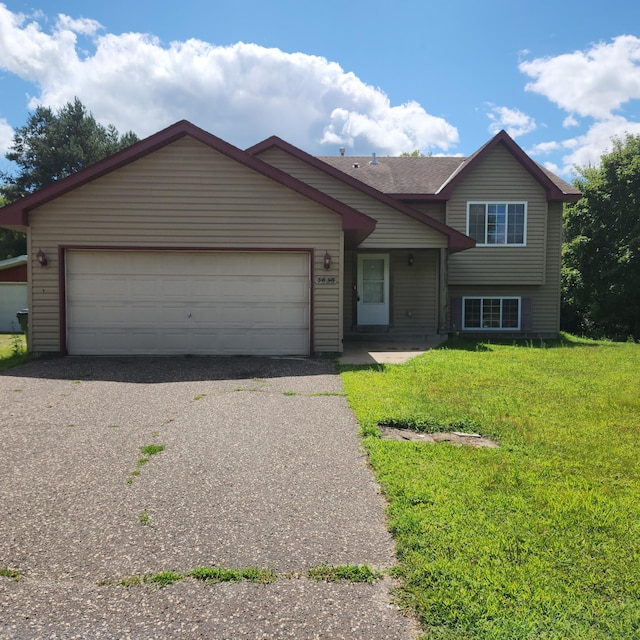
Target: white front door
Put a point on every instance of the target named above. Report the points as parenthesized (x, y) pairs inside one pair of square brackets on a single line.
[(373, 289)]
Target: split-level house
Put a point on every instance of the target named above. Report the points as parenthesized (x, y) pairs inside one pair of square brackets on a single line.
[(185, 244)]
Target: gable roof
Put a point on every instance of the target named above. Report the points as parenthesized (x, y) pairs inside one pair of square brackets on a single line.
[(456, 241), (356, 225), (434, 178)]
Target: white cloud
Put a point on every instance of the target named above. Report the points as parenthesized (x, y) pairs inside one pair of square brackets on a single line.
[(515, 122), (595, 83), (242, 93), (85, 26), (592, 83), (544, 147), (6, 136), (588, 148)]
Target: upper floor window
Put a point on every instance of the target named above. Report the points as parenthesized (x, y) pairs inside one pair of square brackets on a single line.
[(503, 223)]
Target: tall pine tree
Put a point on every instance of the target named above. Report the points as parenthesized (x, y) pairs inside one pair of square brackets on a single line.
[(50, 147)]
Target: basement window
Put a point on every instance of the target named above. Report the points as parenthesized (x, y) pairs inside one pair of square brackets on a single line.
[(484, 314)]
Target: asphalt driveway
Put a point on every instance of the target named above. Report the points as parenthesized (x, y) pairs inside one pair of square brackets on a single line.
[(261, 467)]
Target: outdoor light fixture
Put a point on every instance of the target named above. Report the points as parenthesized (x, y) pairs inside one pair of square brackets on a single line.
[(410, 260), (41, 258), (327, 261)]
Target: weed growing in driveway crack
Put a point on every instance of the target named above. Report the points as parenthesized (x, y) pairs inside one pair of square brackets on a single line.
[(151, 449), (199, 396), (209, 575), (217, 574), (344, 573), (326, 393), (147, 451), (145, 519), (290, 393), (10, 573)]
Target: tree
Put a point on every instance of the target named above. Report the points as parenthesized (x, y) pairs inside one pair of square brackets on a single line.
[(416, 153), (50, 147), (601, 251)]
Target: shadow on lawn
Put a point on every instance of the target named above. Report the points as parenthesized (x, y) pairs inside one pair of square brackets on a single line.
[(565, 341)]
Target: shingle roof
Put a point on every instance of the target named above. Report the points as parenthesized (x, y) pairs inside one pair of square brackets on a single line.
[(435, 176), (398, 175), (414, 176)]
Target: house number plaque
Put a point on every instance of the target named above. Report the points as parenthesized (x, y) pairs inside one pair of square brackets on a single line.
[(326, 280)]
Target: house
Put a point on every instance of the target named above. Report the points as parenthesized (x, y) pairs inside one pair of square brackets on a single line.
[(13, 292), (185, 244)]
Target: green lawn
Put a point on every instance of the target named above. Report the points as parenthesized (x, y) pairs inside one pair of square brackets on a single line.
[(13, 350), (539, 538)]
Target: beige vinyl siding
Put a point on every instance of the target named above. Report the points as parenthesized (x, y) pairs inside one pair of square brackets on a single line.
[(184, 195), (545, 299), (413, 291), (500, 178), (434, 209), (394, 230)]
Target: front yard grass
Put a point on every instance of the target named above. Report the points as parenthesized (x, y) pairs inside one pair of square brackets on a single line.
[(13, 350), (539, 538)]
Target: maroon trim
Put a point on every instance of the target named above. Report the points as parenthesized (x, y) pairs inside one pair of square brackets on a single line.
[(132, 247), (17, 273), (62, 299), (457, 241), (417, 196), (358, 224), (553, 191), (62, 280)]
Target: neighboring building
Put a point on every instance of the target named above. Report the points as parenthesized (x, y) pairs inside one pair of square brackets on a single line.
[(13, 292), (184, 244)]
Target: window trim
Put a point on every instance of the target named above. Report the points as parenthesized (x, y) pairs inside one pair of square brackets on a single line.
[(489, 297), (506, 203)]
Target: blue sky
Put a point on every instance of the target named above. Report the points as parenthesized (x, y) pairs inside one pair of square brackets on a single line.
[(561, 77)]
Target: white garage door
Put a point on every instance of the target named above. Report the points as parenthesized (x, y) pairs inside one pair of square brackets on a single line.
[(182, 302)]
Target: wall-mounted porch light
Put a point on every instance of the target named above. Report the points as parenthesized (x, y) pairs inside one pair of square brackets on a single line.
[(42, 258), (326, 263), (410, 260)]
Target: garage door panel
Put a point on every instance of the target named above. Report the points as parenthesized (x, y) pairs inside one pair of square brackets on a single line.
[(187, 303)]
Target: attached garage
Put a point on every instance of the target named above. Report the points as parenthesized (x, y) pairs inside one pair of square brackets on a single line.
[(184, 244), (167, 302)]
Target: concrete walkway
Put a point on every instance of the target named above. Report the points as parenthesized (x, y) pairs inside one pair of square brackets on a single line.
[(380, 351), (262, 467)]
